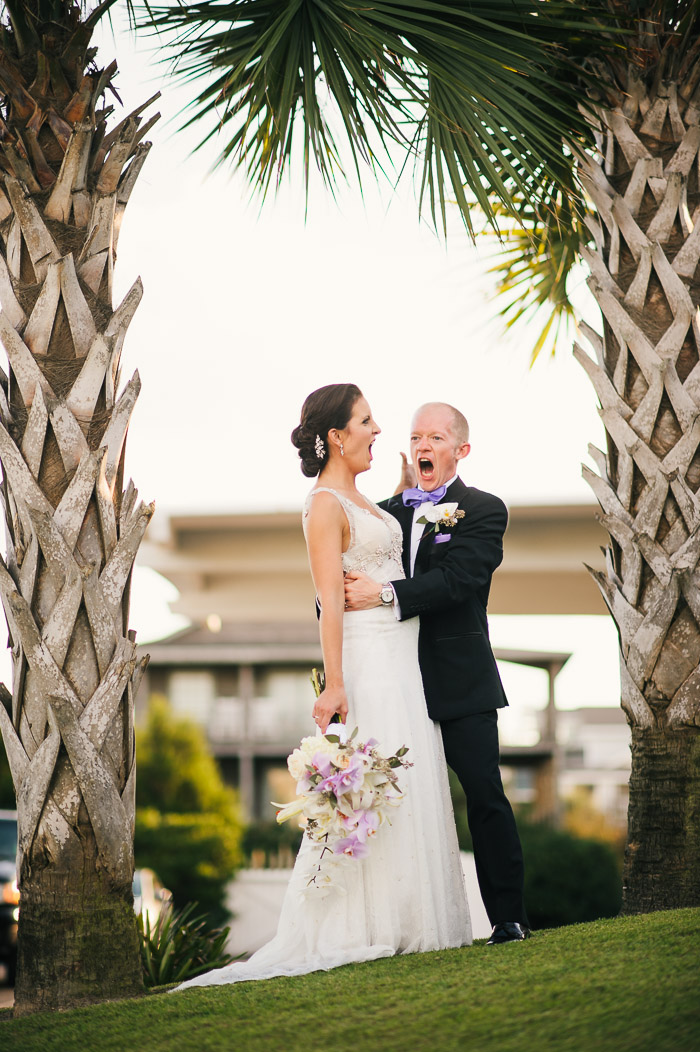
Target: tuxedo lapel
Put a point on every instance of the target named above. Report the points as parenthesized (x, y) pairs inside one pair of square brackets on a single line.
[(456, 492)]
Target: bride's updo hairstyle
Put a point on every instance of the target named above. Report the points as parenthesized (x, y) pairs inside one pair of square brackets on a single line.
[(329, 407)]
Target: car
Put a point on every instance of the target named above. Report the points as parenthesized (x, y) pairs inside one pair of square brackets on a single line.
[(150, 897), (9, 894)]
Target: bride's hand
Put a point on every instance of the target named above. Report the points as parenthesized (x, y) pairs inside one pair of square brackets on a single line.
[(330, 701)]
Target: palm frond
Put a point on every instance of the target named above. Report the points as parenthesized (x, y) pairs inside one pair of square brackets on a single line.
[(535, 257), (482, 94)]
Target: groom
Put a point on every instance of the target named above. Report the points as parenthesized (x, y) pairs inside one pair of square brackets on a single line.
[(448, 577)]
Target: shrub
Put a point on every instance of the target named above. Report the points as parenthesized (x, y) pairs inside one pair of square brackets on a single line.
[(584, 820), (277, 842), (176, 772), (188, 823), (568, 879), (180, 946), (459, 806), (189, 853)]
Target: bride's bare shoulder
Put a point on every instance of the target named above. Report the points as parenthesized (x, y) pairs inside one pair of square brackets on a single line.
[(323, 505)]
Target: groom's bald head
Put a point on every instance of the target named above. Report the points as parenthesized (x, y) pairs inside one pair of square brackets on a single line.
[(439, 440), (458, 423)]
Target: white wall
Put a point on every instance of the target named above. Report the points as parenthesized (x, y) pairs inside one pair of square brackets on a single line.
[(254, 899)]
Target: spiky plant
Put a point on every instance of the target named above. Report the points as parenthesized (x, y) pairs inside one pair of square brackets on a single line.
[(72, 528)]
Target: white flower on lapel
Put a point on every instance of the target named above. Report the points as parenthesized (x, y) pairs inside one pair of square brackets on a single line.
[(445, 515)]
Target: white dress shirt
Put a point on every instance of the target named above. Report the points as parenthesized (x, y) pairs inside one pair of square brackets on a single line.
[(418, 527), (416, 534)]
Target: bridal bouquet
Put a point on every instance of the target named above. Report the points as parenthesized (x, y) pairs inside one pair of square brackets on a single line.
[(347, 790)]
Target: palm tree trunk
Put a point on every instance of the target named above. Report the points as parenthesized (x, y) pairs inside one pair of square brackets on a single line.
[(646, 373), (73, 532), (664, 821)]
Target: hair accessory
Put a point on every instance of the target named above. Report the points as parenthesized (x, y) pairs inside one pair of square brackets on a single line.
[(320, 451), (342, 451)]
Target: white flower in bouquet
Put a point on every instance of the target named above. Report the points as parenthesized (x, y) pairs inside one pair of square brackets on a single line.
[(302, 757), (347, 791)]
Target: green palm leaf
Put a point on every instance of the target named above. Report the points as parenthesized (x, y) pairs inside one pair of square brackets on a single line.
[(535, 257), (481, 93)]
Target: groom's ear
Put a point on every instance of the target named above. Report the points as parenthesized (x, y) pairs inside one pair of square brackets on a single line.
[(462, 451)]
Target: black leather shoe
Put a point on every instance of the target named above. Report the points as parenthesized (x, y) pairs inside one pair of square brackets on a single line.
[(508, 931)]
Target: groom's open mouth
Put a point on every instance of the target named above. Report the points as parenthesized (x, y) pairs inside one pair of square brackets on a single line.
[(426, 469)]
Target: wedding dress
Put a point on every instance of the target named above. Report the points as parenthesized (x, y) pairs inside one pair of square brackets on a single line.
[(407, 895)]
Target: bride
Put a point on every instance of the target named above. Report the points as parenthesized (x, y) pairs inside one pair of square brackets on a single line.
[(407, 895)]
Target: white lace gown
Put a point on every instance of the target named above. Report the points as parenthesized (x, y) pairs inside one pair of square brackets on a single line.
[(407, 895)]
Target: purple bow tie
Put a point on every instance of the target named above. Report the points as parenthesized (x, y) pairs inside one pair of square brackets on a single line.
[(413, 498)]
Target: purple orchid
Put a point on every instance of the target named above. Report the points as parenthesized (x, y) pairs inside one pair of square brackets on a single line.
[(323, 763), (349, 780), (351, 846), (367, 824)]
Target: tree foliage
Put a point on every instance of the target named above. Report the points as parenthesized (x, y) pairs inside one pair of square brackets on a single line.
[(177, 773), (188, 822), (568, 879), (480, 95)]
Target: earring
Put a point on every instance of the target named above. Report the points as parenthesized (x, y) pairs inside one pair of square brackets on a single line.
[(342, 451), (320, 451)]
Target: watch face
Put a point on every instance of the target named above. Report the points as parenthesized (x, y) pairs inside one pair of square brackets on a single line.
[(387, 595)]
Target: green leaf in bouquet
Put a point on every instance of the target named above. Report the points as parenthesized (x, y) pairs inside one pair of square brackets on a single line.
[(332, 738), (318, 681), (402, 751)]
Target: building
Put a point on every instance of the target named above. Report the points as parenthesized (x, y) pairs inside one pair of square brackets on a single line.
[(242, 670), (594, 763), (249, 688)]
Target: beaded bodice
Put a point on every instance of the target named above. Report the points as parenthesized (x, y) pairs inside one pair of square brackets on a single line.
[(375, 538)]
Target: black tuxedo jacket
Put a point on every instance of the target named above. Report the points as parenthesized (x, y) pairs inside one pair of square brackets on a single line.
[(449, 591)]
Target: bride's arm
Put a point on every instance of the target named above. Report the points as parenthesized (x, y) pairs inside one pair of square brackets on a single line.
[(327, 536)]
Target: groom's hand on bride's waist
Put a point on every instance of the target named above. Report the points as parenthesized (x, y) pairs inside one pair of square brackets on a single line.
[(361, 592)]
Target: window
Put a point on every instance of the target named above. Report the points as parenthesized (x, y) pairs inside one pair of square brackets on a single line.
[(281, 711), (192, 694), (227, 723)]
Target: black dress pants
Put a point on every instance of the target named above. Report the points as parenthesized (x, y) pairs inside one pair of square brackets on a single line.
[(472, 751)]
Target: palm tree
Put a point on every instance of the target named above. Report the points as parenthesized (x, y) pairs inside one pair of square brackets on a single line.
[(73, 529), (576, 127)]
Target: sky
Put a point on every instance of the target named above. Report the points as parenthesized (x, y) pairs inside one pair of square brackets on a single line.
[(248, 307)]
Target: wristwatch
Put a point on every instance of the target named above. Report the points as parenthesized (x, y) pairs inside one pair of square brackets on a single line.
[(387, 594)]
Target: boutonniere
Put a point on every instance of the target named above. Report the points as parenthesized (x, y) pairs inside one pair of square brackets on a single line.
[(445, 515)]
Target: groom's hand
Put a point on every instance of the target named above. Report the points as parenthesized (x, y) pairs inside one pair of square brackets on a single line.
[(408, 475), (361, 592)]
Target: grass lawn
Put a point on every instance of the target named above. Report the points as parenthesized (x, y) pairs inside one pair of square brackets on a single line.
[(623, 985)]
